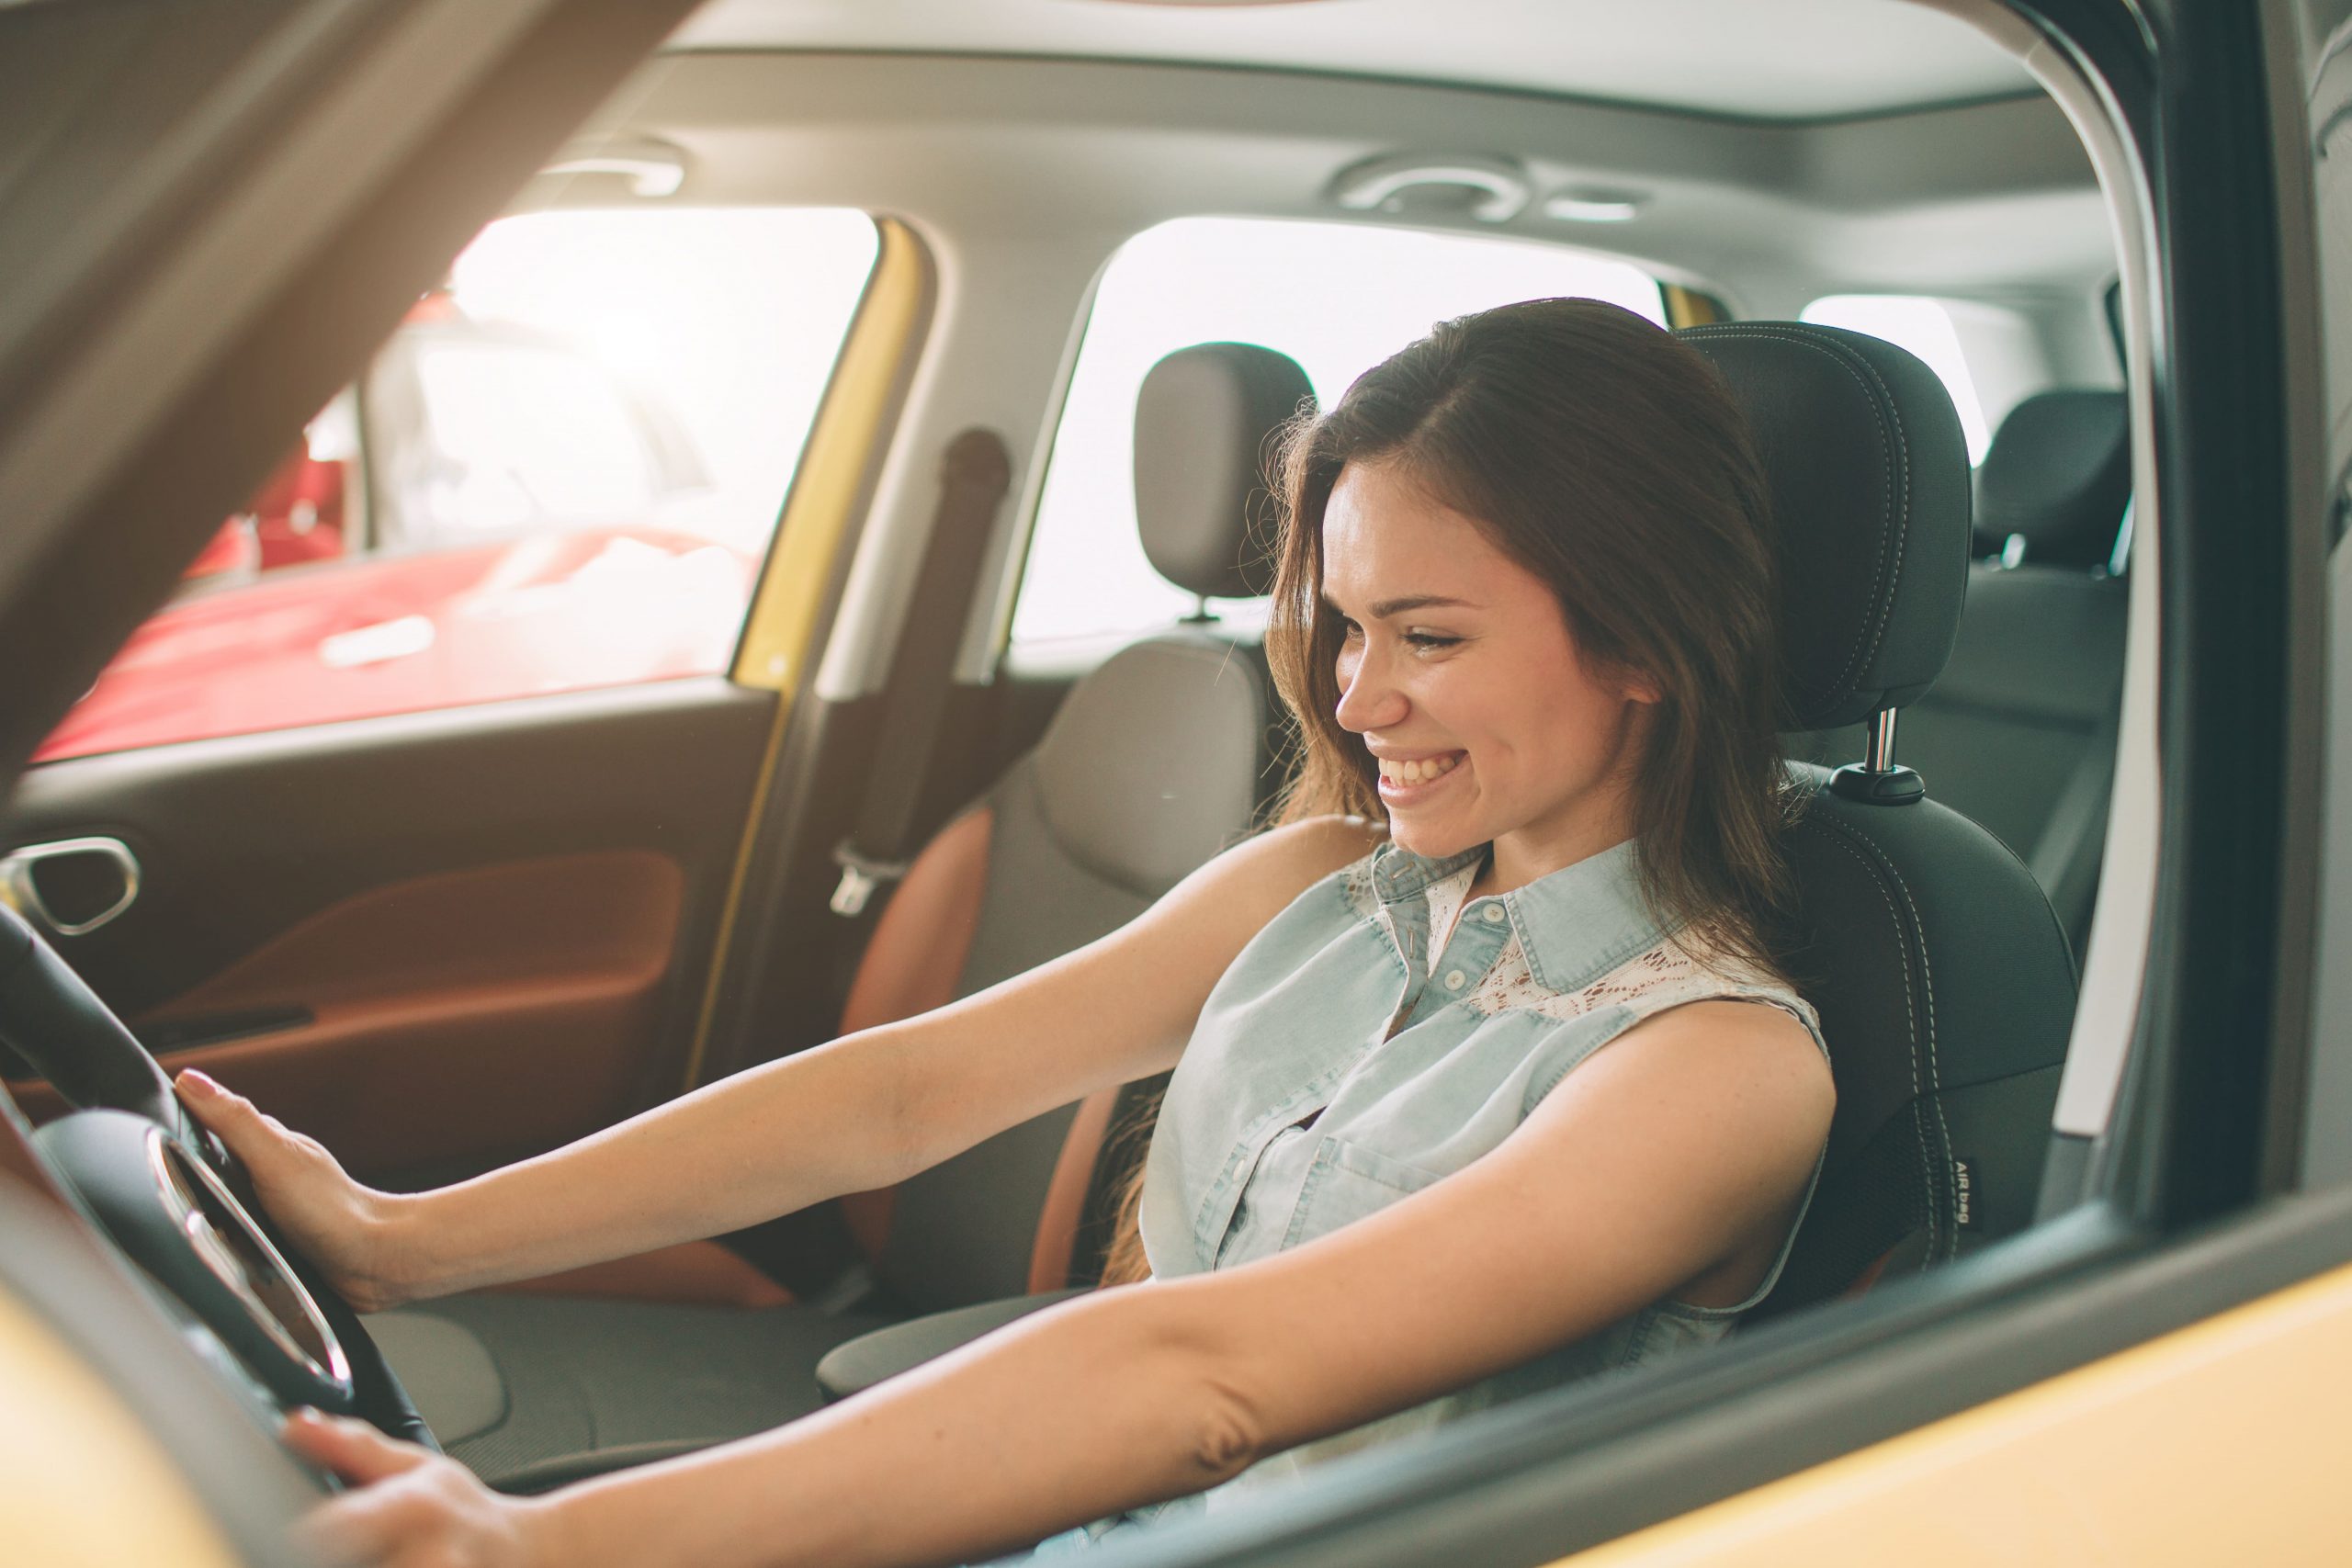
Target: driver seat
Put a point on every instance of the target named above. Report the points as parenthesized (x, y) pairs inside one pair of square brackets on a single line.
[(1154, 763)]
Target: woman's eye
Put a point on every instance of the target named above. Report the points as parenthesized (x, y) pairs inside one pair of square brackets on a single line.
[(1430, 640)]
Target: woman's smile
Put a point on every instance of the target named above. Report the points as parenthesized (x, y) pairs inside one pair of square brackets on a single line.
[(1405, 782)]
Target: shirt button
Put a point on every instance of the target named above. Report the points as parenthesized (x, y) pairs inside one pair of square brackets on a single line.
[(1494, 915), (1455, 979)]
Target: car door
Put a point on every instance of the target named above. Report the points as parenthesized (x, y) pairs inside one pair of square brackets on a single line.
[(423, 823)]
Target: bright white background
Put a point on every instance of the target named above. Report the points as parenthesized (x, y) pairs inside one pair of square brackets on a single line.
[(728, 318), (1337, 298)]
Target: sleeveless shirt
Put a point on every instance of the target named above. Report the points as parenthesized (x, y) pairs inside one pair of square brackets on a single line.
[(1379, 1034)]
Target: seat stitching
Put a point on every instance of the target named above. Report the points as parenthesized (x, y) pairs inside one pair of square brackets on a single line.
[(1927, 984), (1898, 462), (1838, 835)]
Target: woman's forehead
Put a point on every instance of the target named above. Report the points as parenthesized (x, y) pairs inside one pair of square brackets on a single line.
[(1387, 535)]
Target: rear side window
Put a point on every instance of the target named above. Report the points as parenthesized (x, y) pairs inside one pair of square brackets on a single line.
[(560, 471), (1337, 298), (1987, 356)]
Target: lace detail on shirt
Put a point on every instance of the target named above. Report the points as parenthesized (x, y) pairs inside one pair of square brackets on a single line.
[(1666, 976), (1445, 900)]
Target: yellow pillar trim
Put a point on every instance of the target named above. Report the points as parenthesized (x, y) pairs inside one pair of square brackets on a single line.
[(831, 476), (81, 1481), (1691, 307), (2220, 1442), (780, 633)]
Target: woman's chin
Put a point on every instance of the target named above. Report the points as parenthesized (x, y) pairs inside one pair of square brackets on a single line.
[(1430, 841)]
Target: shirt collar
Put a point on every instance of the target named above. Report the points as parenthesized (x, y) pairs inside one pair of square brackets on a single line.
[(1574, 924)]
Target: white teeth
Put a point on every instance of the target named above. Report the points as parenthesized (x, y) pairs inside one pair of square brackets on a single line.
[(1415, 773)]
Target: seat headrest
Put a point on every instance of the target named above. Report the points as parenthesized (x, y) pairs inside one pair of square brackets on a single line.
[(1867, 472), (2060, 473), (1204, 426)]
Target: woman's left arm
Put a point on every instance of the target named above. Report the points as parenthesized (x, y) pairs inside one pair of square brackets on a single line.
[(1677, 1151)]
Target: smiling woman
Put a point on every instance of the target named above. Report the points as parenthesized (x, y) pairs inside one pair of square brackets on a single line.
[(1599, 687), (1399, 1176)]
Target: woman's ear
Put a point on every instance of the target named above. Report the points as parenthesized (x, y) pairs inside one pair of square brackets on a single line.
[(1639, 687)]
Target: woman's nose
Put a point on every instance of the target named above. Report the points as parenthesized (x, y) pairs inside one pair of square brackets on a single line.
[(1368, 699)]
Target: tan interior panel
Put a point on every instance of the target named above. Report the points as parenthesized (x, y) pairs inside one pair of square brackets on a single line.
[(912, 964), (693, 1273), (452, 1017)]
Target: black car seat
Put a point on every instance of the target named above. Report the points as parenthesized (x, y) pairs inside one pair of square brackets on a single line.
[(1945, 985), (2019, 732), (1153, 762)]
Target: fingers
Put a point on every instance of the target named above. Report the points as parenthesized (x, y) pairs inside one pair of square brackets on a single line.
[(232, 1116), (409, 1508), (355, 1452), (362, 1526)]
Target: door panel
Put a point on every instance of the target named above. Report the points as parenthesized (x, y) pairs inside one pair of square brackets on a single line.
[(431, 941)]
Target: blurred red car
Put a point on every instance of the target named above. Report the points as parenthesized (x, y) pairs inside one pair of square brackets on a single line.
[(484, 515)]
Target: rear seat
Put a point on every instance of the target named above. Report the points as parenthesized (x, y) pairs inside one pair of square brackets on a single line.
[(1155, 761), (2019, 733)]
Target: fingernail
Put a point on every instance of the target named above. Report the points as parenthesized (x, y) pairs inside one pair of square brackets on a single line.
[(190, 1078)]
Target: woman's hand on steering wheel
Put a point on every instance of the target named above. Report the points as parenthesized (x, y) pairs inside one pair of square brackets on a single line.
[(343, 1226), (409, 1507)]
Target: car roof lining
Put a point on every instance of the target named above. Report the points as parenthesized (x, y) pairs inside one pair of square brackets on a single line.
[(1794, 61), (1989, 195)]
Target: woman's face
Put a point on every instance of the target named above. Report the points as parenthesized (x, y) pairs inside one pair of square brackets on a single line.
[(1459, 674)]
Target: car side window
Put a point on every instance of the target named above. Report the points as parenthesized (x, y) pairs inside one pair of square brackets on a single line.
[(1338, 298), (1987, 355), (560, 471)]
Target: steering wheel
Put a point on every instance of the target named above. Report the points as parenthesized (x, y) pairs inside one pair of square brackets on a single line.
[(174, 1199)]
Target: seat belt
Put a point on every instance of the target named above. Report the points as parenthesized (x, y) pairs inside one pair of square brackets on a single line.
[(973, 477)]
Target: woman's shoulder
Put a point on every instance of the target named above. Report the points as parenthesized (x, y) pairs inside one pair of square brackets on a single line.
[(1247, 885), (1294, 856)]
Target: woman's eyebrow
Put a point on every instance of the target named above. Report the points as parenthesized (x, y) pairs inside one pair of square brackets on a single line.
[(1387, 607)]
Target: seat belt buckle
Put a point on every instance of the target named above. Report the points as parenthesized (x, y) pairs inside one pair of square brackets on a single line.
[(862, 874)]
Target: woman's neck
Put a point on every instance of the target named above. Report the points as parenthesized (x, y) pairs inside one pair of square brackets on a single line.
[(1514, 860)]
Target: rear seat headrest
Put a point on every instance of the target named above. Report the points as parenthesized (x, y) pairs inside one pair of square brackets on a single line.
[(1204, 426), (2059, 473), (1869, 478)]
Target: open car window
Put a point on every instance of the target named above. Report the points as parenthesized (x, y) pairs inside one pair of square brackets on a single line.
[(1337, 298), (561, 471)]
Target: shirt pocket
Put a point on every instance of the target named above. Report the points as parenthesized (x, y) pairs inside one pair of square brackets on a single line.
[(1347, 1182)]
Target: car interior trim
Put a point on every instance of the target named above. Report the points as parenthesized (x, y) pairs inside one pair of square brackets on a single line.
[(73, 1452), (834, 480), (833, 477), (2115, 959), (2263, 1367), (431, 1001), (193, 1433), (20, 885)]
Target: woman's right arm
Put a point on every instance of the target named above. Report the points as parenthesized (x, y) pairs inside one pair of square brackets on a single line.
[(863, 1111)]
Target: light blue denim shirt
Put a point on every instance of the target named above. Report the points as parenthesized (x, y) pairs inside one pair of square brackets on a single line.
[(1378, 1035)]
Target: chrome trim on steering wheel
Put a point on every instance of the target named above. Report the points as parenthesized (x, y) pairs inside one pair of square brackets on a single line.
[(16, 884), (270, 1300)]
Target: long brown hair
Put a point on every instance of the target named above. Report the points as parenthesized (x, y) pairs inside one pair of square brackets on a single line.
[(1609, 460)]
